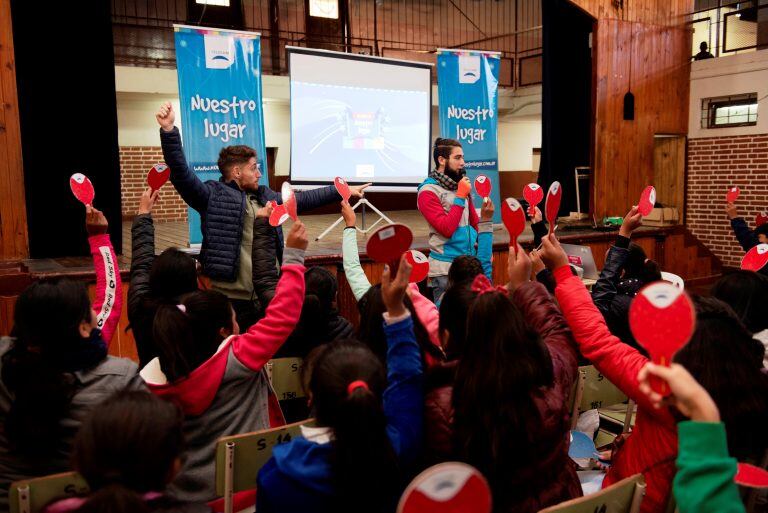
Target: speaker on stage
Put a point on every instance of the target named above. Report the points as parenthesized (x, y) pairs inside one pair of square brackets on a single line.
[(65, 74)]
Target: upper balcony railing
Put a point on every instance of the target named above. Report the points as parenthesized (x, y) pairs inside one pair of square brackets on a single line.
[(411, 30)]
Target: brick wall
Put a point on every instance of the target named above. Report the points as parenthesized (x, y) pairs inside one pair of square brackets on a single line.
[(135, 163), (714, 164)]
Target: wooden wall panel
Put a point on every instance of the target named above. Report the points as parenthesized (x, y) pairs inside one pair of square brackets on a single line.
[(624, 150), (669, 171), (656, 12), (14, 243)]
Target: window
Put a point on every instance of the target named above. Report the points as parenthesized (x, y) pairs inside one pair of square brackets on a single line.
[(223, 3), (729, 111)]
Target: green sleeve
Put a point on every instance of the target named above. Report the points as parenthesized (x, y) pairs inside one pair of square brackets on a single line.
[(356, 277), (704, 481)]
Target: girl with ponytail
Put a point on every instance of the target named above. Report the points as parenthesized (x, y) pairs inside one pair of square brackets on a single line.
[(54, 368), (369, 423)]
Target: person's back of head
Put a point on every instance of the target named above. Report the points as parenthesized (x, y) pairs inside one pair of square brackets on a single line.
[(188, 334), (371, 329), (761, 232), (502, 365), (320, 289), (727, 361), (129, 446), (463, 270), (639, 267), (173, 274), (347, 384), (454, 309), (703, 46), (52, 339), (746, 293)]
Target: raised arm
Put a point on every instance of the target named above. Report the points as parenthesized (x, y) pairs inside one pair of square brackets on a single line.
[(404, 396), (109, 287), (604, 290), (485, 238), (257, 346), (192, 190), (142, 253), (314, 198), (356, 277)]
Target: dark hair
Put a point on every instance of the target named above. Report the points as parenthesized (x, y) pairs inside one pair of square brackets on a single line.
[(185, 340), (746, 293), (703, 46), (464, 269), (173, 274), (638, 266), (371, 329), (727, 361), (320, 289), (234, 156), (503, 364), (443, 148), (125, 448), (46, 334), (454, 309), (363, 462), (762, 230)]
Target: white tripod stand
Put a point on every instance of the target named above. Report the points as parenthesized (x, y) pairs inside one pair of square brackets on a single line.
[(364, 202)]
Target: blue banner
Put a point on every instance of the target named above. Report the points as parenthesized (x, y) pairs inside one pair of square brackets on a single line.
[(220, 94), (467, 85)]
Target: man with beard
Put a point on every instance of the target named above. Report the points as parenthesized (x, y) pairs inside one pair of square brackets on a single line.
[(444, 201), (228, 209)]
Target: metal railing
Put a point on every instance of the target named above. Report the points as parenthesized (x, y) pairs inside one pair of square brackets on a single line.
[(413, 30), (730, 27)]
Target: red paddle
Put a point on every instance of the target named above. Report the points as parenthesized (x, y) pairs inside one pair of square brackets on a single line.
[(513, 217), (761, 218), (647, 201), (388, 243), (447, 488), (533, 194), (732, 195), (289, 200), (756, 258), (278, 215), (343, 188), (483, 186), (82, 188), (420, 264), (157, 176), (552, 206), (662, 320), (750, 475)]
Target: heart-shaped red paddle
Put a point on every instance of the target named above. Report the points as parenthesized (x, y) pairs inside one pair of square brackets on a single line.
[(647, 201), (82, 188), (157, 176), (447, 488), (289, 200), (761, 218), (278, 215), (552, 206), (533, 194), (343, 188), (483, 186), (732, 195), (513, 217), (751, 476), (756, 258), (420, 264), (662, 319)]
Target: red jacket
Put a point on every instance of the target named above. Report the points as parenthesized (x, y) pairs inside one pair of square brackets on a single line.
[(652, 447)]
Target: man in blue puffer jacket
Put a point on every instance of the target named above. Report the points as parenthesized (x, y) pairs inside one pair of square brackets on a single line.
[(228, 208)]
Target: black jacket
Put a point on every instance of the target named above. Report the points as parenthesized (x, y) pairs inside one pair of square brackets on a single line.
[(222, 209), (142, 256), (612, 296)]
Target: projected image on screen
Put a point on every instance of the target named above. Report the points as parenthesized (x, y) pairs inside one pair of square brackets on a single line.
[(342, 125)]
